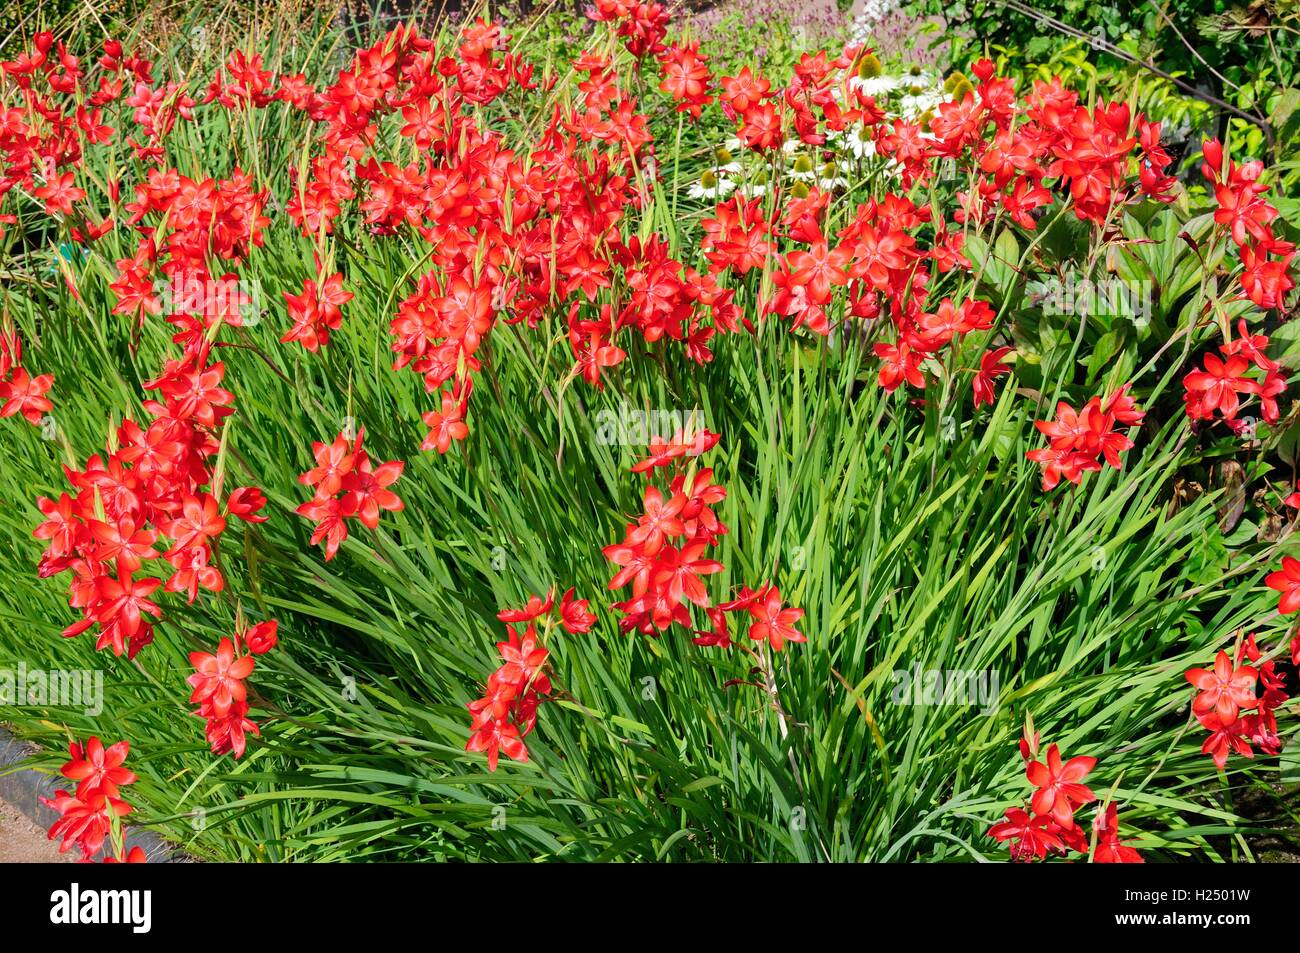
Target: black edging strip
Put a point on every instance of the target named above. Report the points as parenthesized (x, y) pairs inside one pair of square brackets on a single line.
[(24, 788)]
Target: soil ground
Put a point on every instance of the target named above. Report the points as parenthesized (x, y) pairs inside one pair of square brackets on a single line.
[(22, 842)]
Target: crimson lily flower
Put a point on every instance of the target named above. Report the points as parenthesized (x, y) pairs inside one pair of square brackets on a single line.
[(774, 624), (1032, 837), (367, 490), (659, 521), (575, 615), (991, 368), (199, 522), (84, 822), (496, 737), (123, 600), (1110, 850), (523, 661), (24, 394), (219, 678), (1286, 581), (1060, 790), (1217, 387), (537, 606), (1224, 691), (97, 768)]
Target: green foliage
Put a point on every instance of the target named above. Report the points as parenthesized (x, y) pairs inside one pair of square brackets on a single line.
[(1181, 36)]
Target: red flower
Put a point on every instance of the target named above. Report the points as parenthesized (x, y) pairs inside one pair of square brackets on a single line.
[(446, 425), (246, 502), (991, 368), (718, 633), (899, 363), (1286, 581), (507, 711), (659, 521), (773, 623), (200, 521), (1225, 739), (344, 467), (193, 572), (135, 855), (316, 312), (121, 543), (195, 394), (1223, 689), (333, 462), (331, 526), (744, 91), (1266, 281), (536, 607), (686, 77), (218, 679), (98, 769), (262, 637), (228, 733), (1109, 848), (495, 737), (1049, 826), (123, 601), (1032, 837), (684, 443), (59, 194), (575, 615), (220, 692), (1217, 387), (366, 490), (84, 822), (523, 660), (24, 394), (87, 819), (1059, 789), (1078, 440)]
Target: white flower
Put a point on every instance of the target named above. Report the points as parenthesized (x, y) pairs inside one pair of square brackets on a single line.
[(917, 76), (833, 175), (858, 142), (873, 11), (875, 85), (802, 169), (919, 103), (709, 186)]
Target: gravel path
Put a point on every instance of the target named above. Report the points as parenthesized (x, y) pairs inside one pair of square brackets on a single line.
[(22, 842)]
